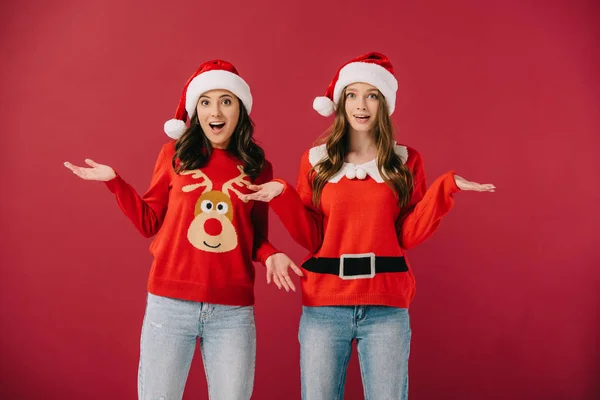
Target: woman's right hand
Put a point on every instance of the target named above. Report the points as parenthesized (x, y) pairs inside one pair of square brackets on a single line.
[(96, 172), (265, 192)]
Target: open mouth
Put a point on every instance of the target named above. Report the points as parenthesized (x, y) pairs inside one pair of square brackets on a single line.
[(216, 127), (362, 119), (212, 247)]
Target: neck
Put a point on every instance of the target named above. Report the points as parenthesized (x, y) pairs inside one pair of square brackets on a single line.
[(361, 142), (220, 146)]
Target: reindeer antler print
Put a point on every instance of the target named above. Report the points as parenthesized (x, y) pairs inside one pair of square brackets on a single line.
[(239, 180), (197, 174)]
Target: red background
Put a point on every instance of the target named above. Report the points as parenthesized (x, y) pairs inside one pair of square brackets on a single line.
[(501, 91)]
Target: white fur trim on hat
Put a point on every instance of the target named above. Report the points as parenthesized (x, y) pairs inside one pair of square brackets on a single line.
[(217, 79), (324, 106), (174, 128), (372, 74)]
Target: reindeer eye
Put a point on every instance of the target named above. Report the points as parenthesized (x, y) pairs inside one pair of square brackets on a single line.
[(207, 206), (222, 207)]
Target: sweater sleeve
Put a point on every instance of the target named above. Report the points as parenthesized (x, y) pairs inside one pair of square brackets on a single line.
[(295, 208), (262, 249), (147, 212), (427, 207)]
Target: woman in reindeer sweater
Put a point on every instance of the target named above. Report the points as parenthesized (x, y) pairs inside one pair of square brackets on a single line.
[(201, 283), (360, 202)]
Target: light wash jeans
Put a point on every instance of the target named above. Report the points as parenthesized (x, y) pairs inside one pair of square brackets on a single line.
[(383, 342), (227, 340)]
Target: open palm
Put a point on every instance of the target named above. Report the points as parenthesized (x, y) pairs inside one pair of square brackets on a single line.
[(95, 171), (277, 271), (464, 184)]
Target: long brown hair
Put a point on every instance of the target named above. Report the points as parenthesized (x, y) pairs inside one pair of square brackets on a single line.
[(193, 149), (393, 171)]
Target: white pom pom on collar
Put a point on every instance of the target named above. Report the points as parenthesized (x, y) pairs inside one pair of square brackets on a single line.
[(324, 106), (174, 128)]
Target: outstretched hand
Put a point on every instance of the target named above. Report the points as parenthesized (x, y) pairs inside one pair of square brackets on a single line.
[(277, 271), (95, 172), (265, 192), (464, 184)]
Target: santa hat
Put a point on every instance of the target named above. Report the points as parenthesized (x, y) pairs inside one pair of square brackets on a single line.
[(372, 68), (216, 74)]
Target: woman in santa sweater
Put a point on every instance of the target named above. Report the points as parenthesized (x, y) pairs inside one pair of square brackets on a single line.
[(201, 283), (360, 202)]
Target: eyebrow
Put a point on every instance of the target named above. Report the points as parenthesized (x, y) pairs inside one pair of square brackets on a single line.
[(221, 96)]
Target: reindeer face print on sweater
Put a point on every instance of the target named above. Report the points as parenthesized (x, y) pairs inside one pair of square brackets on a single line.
[(212, 229)]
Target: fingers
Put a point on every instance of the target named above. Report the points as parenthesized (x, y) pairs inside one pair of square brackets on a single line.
[(284, 282), (73, 168), (282, 279), (258, 196), (277, 270), (256, 188), (253, 196), (269, 276), (80, 172), (69, 166), (488, 187), (91, 163), (286, 278), (295, 268), (95, 171), (276, 280), (474, 186)]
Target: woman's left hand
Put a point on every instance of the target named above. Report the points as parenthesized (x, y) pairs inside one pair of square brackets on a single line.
[(265, 192), (464, 184), (277, 270)]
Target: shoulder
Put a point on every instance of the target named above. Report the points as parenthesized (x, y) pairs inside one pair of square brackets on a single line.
[(266, 173), (414, 163), (267, 167), (409, 155), (168, 149), (165, 156), (402, 151), (312, 156), (315, 154)]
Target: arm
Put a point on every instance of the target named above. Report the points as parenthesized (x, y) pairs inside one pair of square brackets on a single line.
[(262, 249), (303, 221), (427, 206), (148, 211)]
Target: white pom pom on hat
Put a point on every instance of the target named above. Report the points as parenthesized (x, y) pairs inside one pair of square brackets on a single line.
[(324, 106), (174, 128)]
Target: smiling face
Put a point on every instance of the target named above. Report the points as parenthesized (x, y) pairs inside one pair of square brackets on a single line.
[(212, 229), (218, 113), (361, 105)]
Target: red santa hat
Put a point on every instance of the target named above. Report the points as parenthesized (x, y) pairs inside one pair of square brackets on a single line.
[(372, 68), (216, 74)]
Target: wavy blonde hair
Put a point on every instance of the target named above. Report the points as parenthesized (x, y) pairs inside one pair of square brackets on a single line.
[(393, 171)]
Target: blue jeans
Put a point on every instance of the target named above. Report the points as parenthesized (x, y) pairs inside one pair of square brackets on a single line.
[(227, 341), (383, 342)]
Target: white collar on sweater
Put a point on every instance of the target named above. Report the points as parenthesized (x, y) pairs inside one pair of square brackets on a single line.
[(355, 171)]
